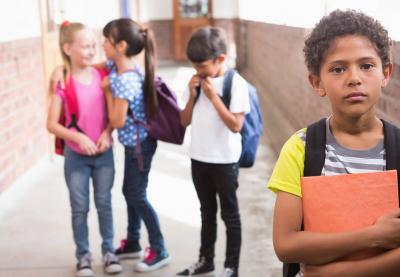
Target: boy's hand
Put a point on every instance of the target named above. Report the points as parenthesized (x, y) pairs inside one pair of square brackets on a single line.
[(208, 88), (104, 141), (194, 82), (387, 229), (57, 76), (86, 144)]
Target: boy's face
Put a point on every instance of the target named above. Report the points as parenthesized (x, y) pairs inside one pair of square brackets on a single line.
[(351, 76), (209, 68)]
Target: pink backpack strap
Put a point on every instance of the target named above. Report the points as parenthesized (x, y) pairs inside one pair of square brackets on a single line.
[(71, 102), (102, 72)]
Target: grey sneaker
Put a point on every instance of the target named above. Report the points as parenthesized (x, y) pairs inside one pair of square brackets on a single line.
[(111, 263), (84, 266)]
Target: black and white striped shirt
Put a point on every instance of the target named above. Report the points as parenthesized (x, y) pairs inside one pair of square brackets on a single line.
[(341, 160)]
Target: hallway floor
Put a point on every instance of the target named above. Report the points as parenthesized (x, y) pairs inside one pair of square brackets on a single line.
[(36, 236)]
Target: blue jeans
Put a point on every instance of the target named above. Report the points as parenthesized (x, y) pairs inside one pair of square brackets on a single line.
[(135, 192), (78, 169)]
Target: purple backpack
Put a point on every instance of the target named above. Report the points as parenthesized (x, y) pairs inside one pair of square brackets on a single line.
[(166, 125)]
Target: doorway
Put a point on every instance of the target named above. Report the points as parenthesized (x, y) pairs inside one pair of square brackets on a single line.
[(188, 16)]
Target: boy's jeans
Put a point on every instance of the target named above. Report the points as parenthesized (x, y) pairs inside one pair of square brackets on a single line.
[(135, 192), (78, 169), (211, 180)]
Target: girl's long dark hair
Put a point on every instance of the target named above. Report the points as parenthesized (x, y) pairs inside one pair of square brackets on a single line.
[(137, 39)]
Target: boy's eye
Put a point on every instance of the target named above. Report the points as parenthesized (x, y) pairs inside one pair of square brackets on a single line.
[(337, 69), (367, 66)]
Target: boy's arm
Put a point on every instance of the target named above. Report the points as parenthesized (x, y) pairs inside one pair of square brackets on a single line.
[(234, 121), (293, 245), (187, 112), (386, 264)]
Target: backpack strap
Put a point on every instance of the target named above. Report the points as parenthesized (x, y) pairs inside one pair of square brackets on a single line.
[(315, 148), (392, 147), (227, 87), (71, 101), (313, 163)]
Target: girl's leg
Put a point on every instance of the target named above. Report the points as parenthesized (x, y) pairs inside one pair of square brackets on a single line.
[(134, 220), (138, 194), (77, 172), (103, 179)]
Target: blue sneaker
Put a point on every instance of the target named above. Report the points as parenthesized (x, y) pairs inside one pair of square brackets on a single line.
[(153, 261)]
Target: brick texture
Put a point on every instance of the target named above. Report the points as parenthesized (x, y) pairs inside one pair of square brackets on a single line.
[(23, 137), (271, 57), (163, 33)]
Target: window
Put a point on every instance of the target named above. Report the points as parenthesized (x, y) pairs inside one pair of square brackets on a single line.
[(193, 8)]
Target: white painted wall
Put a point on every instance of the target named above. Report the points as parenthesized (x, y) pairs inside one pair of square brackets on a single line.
[(19, 19), (156, 9), (226, 8), (307, 13), (163, 9), (94, 13)]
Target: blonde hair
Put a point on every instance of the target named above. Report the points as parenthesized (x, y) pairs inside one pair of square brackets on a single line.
[(67, 36)]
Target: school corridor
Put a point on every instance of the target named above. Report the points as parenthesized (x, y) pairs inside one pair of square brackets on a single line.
[(265, 42), (36, 236)]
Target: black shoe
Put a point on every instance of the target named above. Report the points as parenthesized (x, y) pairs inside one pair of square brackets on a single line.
[(200, 268), (129, 250), (229, 272)]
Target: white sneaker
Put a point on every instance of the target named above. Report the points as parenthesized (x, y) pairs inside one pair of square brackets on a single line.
[(84, 267), (111, 263), (229, 272)]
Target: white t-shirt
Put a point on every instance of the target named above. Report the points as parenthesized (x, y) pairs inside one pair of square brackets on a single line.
[(211, 139)]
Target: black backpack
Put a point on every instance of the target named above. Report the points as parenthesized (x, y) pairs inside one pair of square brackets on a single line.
[(315, 160)]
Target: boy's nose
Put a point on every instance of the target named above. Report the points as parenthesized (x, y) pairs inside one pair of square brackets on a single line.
[(354, 77)]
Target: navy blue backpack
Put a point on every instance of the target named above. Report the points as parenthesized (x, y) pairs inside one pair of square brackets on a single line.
[(252, 126)]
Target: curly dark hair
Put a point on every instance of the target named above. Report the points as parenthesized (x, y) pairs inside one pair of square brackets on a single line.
[(340, 23)]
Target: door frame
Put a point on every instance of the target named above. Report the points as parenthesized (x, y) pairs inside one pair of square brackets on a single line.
[(179, 48)]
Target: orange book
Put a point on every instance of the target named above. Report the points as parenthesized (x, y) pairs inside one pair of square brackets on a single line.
[(349, 201)]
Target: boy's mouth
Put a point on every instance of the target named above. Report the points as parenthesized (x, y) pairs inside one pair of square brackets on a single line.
[(355, 96)]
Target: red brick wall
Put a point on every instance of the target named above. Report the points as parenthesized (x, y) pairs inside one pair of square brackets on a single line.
[(271, 57), (163, 32), (23, 137), (229, 25)]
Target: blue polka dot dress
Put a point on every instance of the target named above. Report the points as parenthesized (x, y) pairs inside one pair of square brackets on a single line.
[(129, 86)]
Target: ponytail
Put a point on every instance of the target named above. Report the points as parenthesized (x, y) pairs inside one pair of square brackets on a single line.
[(149, 85), (137, 38)]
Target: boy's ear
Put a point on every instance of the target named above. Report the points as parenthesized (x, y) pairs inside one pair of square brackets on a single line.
[(315, 82), (387, 72), (221, 58)]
